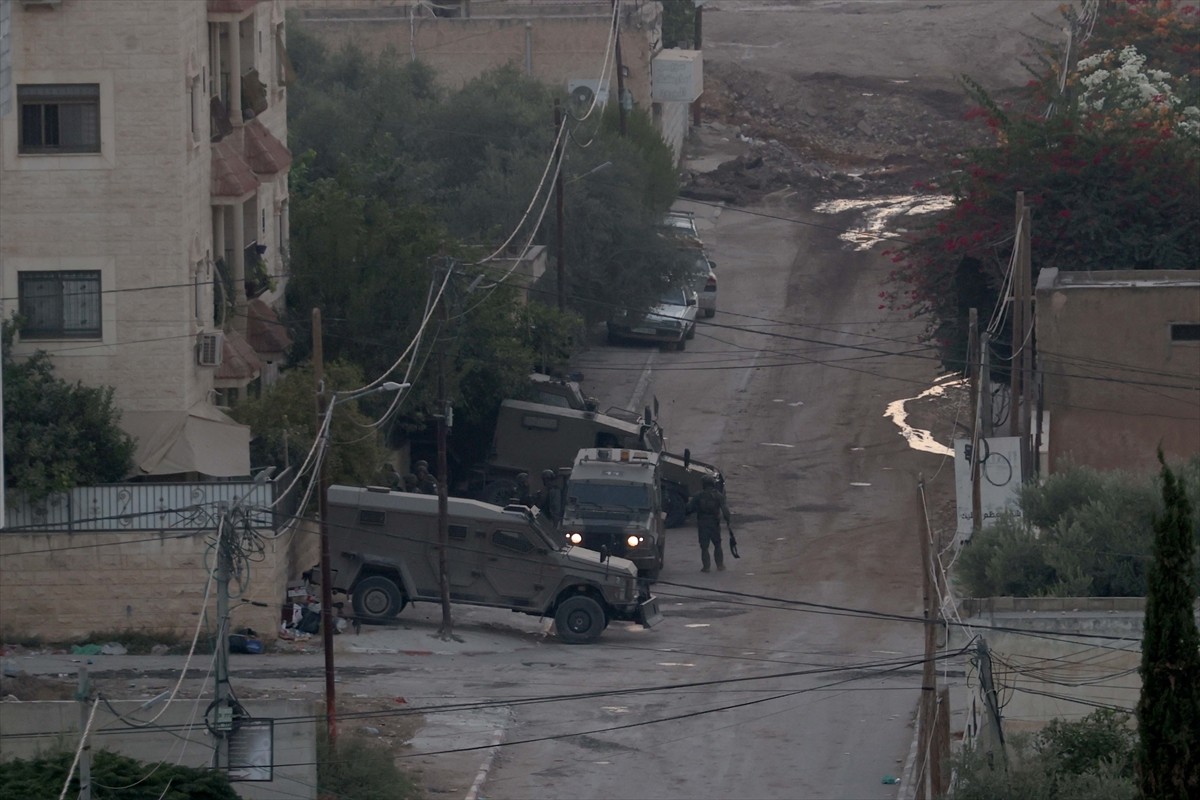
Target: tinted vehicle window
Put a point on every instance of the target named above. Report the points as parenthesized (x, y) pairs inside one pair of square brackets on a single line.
[(510, 540), (673, 297), (610, 495)]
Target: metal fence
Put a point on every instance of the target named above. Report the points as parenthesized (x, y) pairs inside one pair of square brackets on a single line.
[(154, 506)]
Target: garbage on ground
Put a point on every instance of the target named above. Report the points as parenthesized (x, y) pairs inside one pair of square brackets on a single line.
[(113, 649), (889, 779), (301, 617), (245, 640), (85, 649)]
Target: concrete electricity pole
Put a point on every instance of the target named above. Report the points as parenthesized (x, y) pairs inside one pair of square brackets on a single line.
[(322, 498)]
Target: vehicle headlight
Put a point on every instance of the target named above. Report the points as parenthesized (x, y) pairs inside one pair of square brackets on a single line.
[(575, 537), (633, 540)]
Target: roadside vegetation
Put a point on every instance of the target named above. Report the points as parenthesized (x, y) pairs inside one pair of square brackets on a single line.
[(57, 434), (1108, 155), (42, 779), (1080, 533)]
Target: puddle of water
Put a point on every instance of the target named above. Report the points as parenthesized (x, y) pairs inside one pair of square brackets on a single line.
[(919, 439), (776, 444), (878, 212)]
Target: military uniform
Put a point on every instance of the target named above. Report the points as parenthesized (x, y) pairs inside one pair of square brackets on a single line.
[(710, 507), (549, 498), (423, 482)]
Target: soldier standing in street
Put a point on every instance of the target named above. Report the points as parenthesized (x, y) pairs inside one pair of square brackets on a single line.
[(549, 498), (710, 507)]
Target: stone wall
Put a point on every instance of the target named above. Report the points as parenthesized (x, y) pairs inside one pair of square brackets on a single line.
[(30, 729), (1052, 657), (67, 586)]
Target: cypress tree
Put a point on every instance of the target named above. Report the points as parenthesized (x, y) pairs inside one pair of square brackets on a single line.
[(1168, 711)]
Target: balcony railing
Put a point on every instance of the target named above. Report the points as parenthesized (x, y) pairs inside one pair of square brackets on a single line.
[(155, 507)]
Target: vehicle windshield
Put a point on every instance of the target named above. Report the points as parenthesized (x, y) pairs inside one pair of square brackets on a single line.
[(673, 297), (609, 497)]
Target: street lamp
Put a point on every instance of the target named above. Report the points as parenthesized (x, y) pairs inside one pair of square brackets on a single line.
[(327, 401)]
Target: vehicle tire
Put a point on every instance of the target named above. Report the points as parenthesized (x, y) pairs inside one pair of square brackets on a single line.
[(681, 345), (499, 492), (710, 312), (691, 334), (378, 599), (675, 504), (579, 619)]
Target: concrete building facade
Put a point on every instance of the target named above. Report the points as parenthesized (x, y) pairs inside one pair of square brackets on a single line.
[(143, 200), (1119, 354)]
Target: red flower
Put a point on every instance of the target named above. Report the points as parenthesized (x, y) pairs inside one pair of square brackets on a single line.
[(1065, 213)]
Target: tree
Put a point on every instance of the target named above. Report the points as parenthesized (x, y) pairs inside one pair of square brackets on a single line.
[(42, 779), (285, 425), (1079, 533), (58, 435), (1109, 174), (1168, 711), (1087, 759)]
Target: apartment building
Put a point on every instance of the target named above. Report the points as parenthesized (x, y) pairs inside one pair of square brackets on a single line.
[(144, 208)]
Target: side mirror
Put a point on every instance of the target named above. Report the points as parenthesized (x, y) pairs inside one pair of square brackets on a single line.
[(687, 457)]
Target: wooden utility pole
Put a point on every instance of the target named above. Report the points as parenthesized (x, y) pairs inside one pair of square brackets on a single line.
[(1026, 360), (624, 125), (323, 402), (1017, 309), (697, 45), (560, 257), (939, 758), (928, 675), (447, 628), (974, 372)]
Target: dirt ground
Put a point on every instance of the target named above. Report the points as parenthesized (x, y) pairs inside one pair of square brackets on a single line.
[(849, 98)]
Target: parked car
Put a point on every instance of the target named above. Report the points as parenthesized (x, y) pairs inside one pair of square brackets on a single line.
[(670, 323), (682, 223), (706, 286)]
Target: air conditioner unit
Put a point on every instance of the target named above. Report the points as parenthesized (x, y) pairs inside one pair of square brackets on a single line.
[(581, 91), (209, 347)]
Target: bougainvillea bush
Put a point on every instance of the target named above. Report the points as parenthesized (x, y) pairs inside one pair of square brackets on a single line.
[(1107, 159)]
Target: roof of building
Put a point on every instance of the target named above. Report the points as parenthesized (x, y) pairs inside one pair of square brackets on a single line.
[(231, 175), (1052, 278), (265, 154), (230, 6), (264, 331), (239, 362)]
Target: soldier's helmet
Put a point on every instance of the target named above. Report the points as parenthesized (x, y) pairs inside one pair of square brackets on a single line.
[(708, 481), (422, 465), (522, 477), (547, 475)]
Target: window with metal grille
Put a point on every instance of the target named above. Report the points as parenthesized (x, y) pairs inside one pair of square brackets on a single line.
[(59, 305), (59, 118)]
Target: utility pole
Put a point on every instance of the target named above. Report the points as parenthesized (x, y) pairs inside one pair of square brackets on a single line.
[(558, 207), (624, 127), (1026, 362), (697, 35), (447, 629), (222, 722), (987, 413), (991, 702), (1018, 323), (322, 499), (928, 675), (939, 758), (83, 694), (974, 370)]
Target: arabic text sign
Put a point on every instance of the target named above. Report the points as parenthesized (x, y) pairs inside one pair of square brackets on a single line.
[(999, 480)]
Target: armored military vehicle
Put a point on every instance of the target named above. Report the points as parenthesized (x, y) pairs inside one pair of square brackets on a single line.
[(532, 437), (384, 555), (614, 502)]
